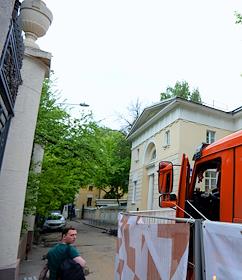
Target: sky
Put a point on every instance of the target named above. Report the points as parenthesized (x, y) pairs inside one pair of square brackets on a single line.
[(109, 53)]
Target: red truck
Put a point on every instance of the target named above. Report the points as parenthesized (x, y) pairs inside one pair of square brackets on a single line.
[(222, 160), (217, 199)]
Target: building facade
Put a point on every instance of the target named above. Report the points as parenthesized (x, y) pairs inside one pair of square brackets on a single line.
[(87, 197), (165, 131)]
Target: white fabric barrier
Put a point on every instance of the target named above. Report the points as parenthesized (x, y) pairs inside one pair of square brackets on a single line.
[(222, 250), (151, 251)]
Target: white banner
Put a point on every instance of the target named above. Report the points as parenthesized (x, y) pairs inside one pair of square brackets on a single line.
[(151, 251), (223, 250)]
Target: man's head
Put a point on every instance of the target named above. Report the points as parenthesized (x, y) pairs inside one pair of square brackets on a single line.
[(69, 235)]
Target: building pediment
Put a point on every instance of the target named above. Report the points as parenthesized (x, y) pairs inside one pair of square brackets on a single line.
[(183, 109), (149, 113)]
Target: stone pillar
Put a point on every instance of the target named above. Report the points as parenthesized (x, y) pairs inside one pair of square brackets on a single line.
[(37, 158), (36, 19)]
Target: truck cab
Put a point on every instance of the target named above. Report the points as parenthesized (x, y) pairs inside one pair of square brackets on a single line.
[(222, 160)]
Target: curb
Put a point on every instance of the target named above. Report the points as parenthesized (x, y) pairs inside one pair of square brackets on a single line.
[(112, 230)]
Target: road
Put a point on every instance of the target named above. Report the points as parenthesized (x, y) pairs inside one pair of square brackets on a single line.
[(96, 247)]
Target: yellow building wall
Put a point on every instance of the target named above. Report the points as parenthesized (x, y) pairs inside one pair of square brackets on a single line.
[(91, 193), (185, 137), (88, 192), (142, 165), (193, 134)]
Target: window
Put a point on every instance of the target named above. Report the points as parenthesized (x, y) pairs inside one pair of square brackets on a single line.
[(89, 201), (206, 190), (136, 155), (167, 140), (210, 137), (134, 192), (153, 155), (210, 180)]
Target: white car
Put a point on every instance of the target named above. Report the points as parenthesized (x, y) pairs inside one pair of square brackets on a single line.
[(55, 221)]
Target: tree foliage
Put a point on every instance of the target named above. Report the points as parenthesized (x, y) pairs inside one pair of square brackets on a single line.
[(114, 154), (238, 17), (78, 152), (181, 89)]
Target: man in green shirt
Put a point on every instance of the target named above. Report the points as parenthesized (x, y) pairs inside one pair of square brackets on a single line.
[(62, 251)]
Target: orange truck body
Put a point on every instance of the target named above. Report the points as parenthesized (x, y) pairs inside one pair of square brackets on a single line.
[(223, 202)]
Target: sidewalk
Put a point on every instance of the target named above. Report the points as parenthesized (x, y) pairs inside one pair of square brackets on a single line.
[(32, 267), (95, 245)]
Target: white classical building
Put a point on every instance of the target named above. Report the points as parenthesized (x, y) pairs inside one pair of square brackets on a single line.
[(18, 118), (165, 131)]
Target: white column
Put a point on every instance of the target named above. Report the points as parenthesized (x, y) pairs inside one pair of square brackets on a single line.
[(17, 155), (150, 192)]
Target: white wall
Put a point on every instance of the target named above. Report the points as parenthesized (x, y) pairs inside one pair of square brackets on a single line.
[(16, 161)]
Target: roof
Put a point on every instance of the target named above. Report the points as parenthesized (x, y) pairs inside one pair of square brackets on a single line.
[(149, 112), (156, 111)]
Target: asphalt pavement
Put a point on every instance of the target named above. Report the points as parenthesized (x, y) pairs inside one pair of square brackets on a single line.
[(96, 246)]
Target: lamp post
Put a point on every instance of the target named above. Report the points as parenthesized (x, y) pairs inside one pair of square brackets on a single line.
[(83, 104)]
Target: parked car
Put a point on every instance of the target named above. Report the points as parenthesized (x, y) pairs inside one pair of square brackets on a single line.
[(55, 212), (55, 221)]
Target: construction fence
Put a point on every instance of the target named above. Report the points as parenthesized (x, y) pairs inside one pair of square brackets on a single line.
[(154, 245), (103, 217)]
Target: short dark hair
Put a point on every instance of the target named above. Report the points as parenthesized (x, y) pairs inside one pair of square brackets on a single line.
[(66, 229)]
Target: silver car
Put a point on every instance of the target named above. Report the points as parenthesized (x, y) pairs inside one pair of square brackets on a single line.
[(55, 221)]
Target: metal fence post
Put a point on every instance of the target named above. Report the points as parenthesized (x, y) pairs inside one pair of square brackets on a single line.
[(197, 250)]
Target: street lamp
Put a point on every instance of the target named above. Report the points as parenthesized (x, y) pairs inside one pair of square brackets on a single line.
[(83, 104)]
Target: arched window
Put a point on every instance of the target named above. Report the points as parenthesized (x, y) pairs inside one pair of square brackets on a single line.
[(150, 153), (153, 155)]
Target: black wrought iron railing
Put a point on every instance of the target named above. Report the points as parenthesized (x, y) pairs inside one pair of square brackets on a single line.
[(10, 77)]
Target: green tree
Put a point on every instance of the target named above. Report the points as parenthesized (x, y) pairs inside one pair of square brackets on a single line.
[(112, 172), (238, 17), (181, 89), (69, 153), (78, 152)]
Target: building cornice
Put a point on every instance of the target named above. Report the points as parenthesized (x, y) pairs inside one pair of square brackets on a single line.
[(181, 109), (43, 57)]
